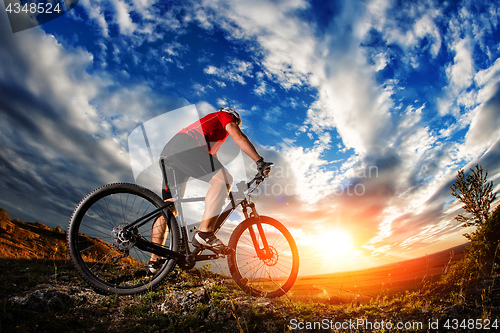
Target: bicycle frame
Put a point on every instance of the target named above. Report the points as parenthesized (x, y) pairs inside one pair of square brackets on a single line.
[(187, 256), (125, 223)]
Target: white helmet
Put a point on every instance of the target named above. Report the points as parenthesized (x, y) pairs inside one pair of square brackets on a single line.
[(232, 112)]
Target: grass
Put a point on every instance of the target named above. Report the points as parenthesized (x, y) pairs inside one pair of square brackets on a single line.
[(224, 307)]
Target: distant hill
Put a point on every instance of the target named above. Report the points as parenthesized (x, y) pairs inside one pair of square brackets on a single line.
[(433, 263), (25, 240), (392, 278)]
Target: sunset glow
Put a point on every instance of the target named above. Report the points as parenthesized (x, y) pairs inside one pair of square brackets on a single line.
[(336, 243)]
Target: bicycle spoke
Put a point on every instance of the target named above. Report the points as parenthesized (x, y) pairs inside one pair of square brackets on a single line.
[(106, 256), (102, 215), (263, 267)]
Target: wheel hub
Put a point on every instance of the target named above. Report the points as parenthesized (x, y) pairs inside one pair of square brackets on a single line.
[(272, 258), (123, 240)]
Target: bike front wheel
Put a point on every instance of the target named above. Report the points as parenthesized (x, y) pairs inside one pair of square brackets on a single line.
[(264, 260), (105, 253)]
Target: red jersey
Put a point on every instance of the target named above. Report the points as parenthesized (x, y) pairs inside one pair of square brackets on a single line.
[(210, 130)]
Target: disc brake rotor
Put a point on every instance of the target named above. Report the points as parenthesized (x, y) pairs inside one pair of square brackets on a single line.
[(274, 258), (123, 239)]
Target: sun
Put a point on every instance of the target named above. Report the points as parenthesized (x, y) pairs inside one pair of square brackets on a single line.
[(335, 242)]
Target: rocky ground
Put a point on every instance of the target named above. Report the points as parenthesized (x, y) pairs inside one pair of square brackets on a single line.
[(195, 301)]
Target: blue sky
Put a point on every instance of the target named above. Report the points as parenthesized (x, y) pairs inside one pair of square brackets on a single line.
[(367, 108)]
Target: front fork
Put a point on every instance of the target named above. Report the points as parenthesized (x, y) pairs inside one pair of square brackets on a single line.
[(263, 253)]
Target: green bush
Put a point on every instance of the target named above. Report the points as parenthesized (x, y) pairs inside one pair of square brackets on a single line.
[(484, 244), (476, 193)]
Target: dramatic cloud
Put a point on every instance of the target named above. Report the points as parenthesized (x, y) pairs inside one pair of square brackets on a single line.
[(63, 132), (415, 160)]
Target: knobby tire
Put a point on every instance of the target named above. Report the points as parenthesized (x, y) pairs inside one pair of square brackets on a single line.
[(107, 262), (270, 277)]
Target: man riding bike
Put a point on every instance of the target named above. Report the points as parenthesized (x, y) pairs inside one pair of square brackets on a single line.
[(192, 152)]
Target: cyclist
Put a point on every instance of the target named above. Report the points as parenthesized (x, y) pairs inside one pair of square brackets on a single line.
[(192, 152)]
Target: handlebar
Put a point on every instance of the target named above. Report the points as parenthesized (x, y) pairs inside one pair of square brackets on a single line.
[(257, 179), (243, 186)]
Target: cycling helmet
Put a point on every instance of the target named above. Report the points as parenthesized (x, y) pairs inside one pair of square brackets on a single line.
[(232, 112)]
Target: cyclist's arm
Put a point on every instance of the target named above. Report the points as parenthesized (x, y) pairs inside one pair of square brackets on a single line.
[(242, 141)]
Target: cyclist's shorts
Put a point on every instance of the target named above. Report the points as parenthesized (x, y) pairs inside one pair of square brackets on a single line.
[(187, 159)]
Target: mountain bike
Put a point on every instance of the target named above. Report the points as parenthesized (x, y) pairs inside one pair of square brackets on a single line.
[(109, 240)]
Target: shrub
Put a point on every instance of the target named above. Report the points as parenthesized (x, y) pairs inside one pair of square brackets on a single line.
[(475, 193), (486, 242)]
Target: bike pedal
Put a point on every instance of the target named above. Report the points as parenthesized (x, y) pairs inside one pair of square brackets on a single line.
[(228, 250), (218, 252)]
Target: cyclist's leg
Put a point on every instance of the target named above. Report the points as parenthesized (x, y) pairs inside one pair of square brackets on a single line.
[(178, 155), (159, 231), (214, 200), (198, 163), (208, 168), (159, 235)]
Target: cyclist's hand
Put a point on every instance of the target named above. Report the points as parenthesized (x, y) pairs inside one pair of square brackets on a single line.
[(263, 168)]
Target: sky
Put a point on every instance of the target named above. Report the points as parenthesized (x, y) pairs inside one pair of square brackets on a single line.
[(367, 109)]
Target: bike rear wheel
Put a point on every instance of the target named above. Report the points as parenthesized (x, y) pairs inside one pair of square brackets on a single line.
[(270, 274), (104, 254)]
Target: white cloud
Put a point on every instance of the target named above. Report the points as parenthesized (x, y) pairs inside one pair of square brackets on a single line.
[(53, 118), (95, 13), (285, 42), (175, 49), (460, 75), (349, 98), (149, 23), (484, 118), (234, 72), (311, 182), (52, 75), (485, 126), (123, 18), (405, 25), (425, 27), (261, 88), (70, 127), (359, 109)]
